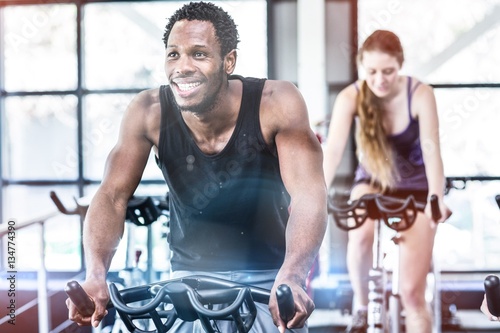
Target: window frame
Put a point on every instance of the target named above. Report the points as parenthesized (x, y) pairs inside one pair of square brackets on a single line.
[(82, 182)]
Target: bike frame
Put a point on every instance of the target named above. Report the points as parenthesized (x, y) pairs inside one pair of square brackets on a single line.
[(393, 303), (377, 314), (383, 316)]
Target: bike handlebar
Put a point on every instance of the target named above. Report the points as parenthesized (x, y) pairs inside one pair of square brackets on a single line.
[(435, 211), (285, 302), (492, 291), (492, 286), (398, 214), (79, 297), (192, 297), (80, 209)]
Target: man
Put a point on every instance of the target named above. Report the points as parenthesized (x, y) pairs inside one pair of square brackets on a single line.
[(244, 171)]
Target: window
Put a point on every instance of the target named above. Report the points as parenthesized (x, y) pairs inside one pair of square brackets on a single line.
[(457, 53), (68, 71)]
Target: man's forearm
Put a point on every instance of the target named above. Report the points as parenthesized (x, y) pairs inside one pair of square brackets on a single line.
[(103, 230), (305, 232)]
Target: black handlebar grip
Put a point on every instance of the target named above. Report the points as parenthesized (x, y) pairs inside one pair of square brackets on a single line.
[(492, 291), (286, 304), (497, 199), (79, 297), (435, 211)]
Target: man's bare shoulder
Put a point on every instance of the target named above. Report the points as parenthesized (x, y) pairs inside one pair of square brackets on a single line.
[(279, 89), (144, 114), (280, 95), (146, 105), (146, 100), (282, 107)]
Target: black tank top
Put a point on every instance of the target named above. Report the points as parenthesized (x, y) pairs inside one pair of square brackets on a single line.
[(229, 210)]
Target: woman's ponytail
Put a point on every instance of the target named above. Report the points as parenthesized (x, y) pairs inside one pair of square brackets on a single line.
[(373, 149)]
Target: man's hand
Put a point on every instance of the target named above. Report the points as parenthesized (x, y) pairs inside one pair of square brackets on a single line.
[(98, 293), (304, 306)]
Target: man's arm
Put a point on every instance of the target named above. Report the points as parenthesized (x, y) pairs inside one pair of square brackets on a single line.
[(104, 222), (300, 159)]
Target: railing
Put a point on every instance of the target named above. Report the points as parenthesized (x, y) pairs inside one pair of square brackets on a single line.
[(142, 211), (42, 295)]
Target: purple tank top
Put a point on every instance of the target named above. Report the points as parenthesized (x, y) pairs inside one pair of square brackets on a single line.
[(408, 154)]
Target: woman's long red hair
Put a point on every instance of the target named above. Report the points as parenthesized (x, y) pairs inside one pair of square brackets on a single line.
[(374, 151)]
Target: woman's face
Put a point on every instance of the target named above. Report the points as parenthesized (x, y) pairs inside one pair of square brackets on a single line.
[(381, 72)]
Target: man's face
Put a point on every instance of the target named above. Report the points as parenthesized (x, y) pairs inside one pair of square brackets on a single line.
[(194, 65)]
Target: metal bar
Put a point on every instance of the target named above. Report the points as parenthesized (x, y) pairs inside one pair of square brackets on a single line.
[(49, 182), (150, 272), (2, 105), (377, 245), (23, 308), (79, 96), (48, 2), (436, 274), (465, 85), (64, 325), (474, 178), (43, 300), (23, 224), (271, 65), (71, 92), (395, 267)]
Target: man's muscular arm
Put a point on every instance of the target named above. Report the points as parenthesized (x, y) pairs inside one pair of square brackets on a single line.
[(301, 159), (104, 222)]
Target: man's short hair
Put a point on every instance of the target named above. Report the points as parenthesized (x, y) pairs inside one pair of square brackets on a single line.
[(225, 28)]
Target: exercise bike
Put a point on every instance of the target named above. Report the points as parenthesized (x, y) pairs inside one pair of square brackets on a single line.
[(142, 212), (492, 286), (197, 297), (399, 215)]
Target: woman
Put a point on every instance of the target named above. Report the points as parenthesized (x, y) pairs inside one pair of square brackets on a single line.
[(398, 150)]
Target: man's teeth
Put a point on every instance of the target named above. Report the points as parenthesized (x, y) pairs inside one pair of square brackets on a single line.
[(187, 86)]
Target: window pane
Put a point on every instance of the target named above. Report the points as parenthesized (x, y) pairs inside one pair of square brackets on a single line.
[(440, 41), (161, 250), (103, 115), (40, 47), (40, 138), (124, 47), (62, 232), (251, 20), (469, 121), (138, 235), (455, 47), (62, 243), (102, 118), (469, 238)]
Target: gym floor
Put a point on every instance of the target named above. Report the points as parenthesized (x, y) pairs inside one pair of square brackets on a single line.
[(333, 321), (461, 296)]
